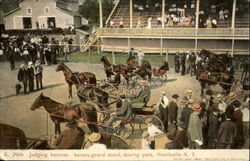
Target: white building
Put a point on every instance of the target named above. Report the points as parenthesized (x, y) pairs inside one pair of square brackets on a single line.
[(43, 14)]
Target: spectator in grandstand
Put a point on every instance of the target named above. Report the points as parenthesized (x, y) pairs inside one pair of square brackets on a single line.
[(111, 24), (209, 23), (214, 23), (121, 23), (140, 56), (140, 8), (159, 19), (226, 14), (221, 14), (149, 26), (138, 22), (157, 6)]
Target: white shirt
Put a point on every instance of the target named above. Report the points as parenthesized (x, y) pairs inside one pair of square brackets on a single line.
[(145, 144), (26, 52), (98, 146), (152, 130), (245, 112), (222, 106), (214, 21), (164, 101), (141, 54)]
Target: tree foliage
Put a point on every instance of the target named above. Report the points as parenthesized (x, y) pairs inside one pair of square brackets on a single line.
[(90, 10)]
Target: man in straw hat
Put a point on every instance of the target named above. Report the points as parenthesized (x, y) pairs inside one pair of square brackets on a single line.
[(152, 131), (186, 112), (31, 75), (95, 139), (194, 132), (121, 113), (188, 95), (22, 77), (163, 111), (71, 138)]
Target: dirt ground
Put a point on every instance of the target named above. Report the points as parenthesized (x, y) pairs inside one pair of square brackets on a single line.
[(15, 110)]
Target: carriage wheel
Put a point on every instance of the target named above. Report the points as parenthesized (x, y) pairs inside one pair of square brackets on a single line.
[(125, 130), (49, 138), (158, 82), (86, 144), (155, 120)]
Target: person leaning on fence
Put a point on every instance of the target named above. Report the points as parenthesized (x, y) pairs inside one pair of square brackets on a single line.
[(122, 113), (95, 140)]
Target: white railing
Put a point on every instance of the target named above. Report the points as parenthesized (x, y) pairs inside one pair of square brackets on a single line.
[(176, 32)]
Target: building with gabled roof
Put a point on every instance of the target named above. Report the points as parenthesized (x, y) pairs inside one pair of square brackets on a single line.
[(43, 14)]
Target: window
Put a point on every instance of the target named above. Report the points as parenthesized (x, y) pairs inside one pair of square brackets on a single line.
[(29, 11), (47, 10)]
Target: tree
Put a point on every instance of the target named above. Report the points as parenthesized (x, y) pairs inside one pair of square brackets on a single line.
[(90, 10)]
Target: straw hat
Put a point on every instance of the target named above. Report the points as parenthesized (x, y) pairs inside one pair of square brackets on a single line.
[(143, 82), (232, 95), (30, 63), (191, 101), (196, 107), (188, 91), (95, 137), (149, 121), (163, 92), (22, 66), (220, 96), (183, 101)]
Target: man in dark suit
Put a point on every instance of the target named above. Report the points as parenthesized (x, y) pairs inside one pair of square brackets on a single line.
[(30, 72), (213, 128), (237, 119), (22, 76), (226, 134), (71, 138), (183, 62), (173, 109), (177, 63), (121, 113)]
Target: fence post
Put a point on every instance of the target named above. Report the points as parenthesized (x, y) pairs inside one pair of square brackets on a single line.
[(89, 56), (167, 55), (113, 56)]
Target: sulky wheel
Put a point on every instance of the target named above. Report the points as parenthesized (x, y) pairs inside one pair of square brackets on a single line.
[(155, 120), (125, 130), (158, 81)]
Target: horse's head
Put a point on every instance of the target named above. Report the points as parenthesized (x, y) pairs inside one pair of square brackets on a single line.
[(116, 68), (60, 67), (103, 59), (38, 102)]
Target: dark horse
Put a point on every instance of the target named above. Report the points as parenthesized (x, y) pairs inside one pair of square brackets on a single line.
[(162, 70), (217, 62), (76, 78), (223, 79), (14, 138), (110, 69), (145, 70), (61, 113)]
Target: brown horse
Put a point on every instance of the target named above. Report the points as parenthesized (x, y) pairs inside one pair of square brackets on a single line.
[(12, 137), (162, 70), (110, 69), (224, 80), (61, 113), (145, 70), (131, 62), (76, 78)]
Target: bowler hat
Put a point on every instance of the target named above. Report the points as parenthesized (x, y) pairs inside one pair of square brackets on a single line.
[(191, 101), (122, 96), (175, 96)]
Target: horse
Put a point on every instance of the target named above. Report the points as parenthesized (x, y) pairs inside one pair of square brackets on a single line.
[(132, 63), (76, 78), (145, 70), (110, 69), (61, 113), (223, 79), (162, 70), (12, 137)]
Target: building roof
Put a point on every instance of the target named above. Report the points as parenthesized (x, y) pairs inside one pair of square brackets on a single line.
[(12, 11)]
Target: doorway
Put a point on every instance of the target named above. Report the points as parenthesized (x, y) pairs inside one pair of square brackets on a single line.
[(27, 23), (51, 21)]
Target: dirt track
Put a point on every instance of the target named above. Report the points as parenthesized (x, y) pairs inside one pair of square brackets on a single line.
[(15, 110)]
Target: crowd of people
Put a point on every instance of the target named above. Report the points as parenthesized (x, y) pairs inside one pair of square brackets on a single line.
[(34, 51)]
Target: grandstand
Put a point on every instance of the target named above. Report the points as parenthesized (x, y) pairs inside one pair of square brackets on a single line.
[(184, 26)]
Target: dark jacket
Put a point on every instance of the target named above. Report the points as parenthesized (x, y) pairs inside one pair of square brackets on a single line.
[(227, 132), (22, 75), (185, 116), (172, 112), (213, 126), (125, 109), (30, 72), (237, 119)]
